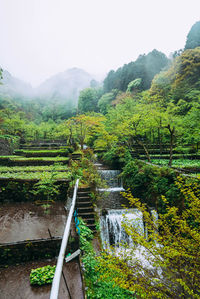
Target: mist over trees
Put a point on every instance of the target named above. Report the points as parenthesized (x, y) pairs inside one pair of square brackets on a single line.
[(56, 98), (145, 67), (193, 37)]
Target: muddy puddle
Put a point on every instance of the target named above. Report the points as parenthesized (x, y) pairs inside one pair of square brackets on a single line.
[(28, 221), (14, 282)]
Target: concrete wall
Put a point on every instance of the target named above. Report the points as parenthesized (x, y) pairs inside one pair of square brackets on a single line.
[(5, 148)]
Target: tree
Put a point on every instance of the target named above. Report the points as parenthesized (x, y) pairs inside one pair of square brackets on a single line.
[(83, 127), (193, 37), (181, 80), (88, 100), (145, 67), (134, 85), (105, 101), (1, 71), (169, 267)]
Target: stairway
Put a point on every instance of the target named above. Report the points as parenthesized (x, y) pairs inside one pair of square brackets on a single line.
[(85, 208), (76, 157)]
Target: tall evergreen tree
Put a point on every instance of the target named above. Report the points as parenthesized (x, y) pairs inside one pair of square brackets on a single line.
[(193, 37)]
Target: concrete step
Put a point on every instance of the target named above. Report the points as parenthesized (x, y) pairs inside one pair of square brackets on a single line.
[(83, 199), (84, 189), (85, 210), (86, 215), (90, 220), (81, 204), (92, 227)]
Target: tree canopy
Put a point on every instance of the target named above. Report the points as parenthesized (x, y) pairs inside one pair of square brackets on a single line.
[(145, 67), (193, 37)]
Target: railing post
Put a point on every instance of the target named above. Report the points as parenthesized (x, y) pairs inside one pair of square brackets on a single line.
[(59, 266)]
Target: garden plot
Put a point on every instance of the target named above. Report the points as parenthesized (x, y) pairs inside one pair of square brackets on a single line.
[(15, 283), (185, 164), (28, 221)]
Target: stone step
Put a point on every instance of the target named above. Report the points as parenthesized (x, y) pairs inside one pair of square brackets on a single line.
[(84, 189), (80, 204), (86, 215), (92, 227), (83, 199), (90, 220), (85, 210)]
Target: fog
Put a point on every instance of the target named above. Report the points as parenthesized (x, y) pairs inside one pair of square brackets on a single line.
[(42, 38)]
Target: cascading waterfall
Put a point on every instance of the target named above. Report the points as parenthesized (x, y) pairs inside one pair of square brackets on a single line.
[(112, 230), (112, 179), (114, 236)]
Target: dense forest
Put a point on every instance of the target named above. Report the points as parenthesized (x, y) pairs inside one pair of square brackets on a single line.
[(146, 112)]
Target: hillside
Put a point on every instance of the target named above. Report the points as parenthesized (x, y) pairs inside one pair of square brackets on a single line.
[(65, 86)]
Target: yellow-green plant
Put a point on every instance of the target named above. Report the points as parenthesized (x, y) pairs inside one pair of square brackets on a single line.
[(170, 264)]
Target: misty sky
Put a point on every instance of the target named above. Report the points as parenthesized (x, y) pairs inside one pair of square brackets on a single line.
[(39, 38)]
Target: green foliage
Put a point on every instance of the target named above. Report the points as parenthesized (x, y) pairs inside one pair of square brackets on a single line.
[(95, 286), (150, 182), (104, 102), (46, 187), (170, 264), (32, 168), (181, 80), (193, 37), (182, 163), (145, 67), (34, 175), (42, 275), (86, 172), (134, 85), (88, 100)]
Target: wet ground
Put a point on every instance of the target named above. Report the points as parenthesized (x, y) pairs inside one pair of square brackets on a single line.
[(28, 221), (14, 282)]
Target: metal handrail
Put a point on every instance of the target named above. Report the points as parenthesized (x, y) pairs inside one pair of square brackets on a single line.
[(59, 266)]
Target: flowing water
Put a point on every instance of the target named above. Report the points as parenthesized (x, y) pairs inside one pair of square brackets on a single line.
[(112, 179), (111, 196), (112, 230), (113, 235)]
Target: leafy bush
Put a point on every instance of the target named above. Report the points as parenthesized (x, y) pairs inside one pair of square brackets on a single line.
[(42, 275), (97, 288), (150, 182)]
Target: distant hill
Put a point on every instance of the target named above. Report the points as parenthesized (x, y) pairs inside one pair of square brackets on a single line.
[(62, 87), (12, 87), (65, 86)]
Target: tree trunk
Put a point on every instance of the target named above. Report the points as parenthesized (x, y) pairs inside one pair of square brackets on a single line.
[(172, 131), (145, 149)]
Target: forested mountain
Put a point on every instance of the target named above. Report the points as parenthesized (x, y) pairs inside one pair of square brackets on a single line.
[(65, 86), (55, 98), (181, 82), (145, 67), (13, 91), (193, 37)]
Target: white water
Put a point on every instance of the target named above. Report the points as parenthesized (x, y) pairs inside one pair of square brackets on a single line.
[(117, 241), (112, 179), (112, 230)]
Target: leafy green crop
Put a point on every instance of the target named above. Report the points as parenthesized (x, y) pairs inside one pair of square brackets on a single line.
[(42, 275), (32, 168), (182, 163), (34, 175)]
